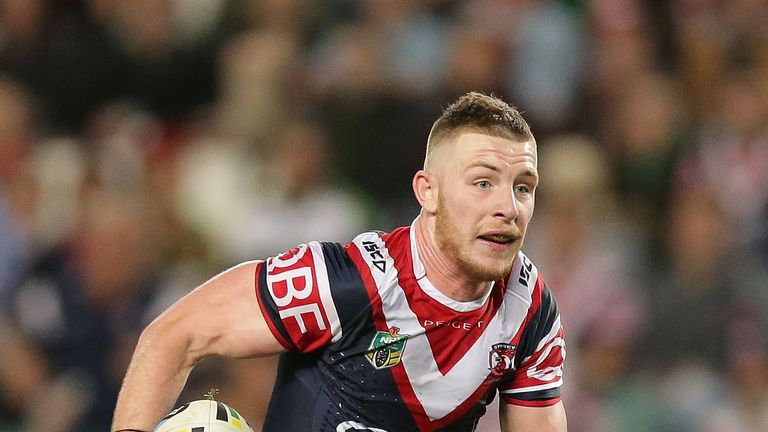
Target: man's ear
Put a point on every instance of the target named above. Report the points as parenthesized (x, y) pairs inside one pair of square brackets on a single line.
[(425, 189)]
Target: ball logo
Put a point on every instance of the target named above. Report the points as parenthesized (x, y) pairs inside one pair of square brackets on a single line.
[(203, 416), (501, 358)]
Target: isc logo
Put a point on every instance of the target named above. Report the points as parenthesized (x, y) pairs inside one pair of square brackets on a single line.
[(525, 271), (376, 257), (292, 286)]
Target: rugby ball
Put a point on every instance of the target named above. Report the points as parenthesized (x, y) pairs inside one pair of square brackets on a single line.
[(203, 416)]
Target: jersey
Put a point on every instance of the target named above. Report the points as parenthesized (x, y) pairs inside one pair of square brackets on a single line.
[(374, 346)]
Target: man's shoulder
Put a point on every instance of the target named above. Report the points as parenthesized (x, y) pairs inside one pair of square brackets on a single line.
[(393, 235), (524, 276)]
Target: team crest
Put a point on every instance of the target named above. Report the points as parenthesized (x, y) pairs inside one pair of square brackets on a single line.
[(386, 348), (501, 358)]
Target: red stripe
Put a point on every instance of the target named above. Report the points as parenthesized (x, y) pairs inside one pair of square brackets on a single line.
[(555, 355), (370, 286), (266, 315), (446, 347), (555, 358), (448, 343), (398, 371), (537, 403)]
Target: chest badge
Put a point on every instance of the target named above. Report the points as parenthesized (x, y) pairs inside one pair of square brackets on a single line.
[(386, 348), (501, 358)]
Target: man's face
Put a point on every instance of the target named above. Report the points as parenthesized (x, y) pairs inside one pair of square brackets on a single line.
[(485, 201)]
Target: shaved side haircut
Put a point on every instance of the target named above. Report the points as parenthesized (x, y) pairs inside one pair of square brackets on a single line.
[(478, 112)]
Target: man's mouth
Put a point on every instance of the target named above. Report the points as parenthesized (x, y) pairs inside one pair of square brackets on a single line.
[(500, 239)]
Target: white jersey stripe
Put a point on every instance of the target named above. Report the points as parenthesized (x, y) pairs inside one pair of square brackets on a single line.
[(547, 386)]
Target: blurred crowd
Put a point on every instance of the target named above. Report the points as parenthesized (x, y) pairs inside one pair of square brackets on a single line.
[(146, 145)]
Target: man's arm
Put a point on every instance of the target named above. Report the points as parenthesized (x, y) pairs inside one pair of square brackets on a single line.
[(220, 317), (515, 418)]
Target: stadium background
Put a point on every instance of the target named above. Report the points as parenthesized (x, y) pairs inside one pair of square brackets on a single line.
[(148, 144)]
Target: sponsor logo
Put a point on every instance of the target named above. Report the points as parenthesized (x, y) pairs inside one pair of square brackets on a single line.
[(291, 284), (386, 348), (525, 271), (376, 256), (501, 358), (460, 325)]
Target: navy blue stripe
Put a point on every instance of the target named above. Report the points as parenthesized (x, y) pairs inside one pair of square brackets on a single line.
[(347, 288), (539, 327), (539, 395)]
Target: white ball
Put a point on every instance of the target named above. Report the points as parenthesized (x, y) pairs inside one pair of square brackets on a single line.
[(203, 416)]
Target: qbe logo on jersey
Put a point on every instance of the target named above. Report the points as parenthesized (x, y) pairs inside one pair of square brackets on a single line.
[(297, 282), (386, 348)]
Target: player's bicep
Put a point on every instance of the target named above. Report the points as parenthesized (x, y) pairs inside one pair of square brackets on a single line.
[(516, 418), (223, 317)]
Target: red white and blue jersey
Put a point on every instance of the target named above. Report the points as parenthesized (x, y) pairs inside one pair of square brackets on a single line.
[(374, 346)]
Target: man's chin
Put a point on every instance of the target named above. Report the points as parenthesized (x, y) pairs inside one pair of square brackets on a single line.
[(487, 273)]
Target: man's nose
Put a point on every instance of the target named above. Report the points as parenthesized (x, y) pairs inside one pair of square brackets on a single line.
[(507, 205)]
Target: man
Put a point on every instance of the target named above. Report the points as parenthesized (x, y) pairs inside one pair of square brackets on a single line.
[(412, 330)]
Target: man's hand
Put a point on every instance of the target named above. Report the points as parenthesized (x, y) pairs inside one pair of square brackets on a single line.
[(221, 317)]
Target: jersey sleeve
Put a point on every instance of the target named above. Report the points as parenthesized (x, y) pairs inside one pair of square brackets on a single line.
[(541, 353), (309, 294)]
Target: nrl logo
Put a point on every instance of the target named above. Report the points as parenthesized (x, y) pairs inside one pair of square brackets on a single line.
[(501, 358), (386, 348)]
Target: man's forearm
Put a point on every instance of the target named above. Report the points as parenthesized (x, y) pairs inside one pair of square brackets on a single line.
[(157, 374)]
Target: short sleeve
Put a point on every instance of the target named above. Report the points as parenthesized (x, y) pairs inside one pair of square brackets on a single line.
[(539, 363), (308, 294)]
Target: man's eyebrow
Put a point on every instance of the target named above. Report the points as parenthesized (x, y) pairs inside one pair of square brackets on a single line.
[(486, 165), (492, 167), (530, 173)]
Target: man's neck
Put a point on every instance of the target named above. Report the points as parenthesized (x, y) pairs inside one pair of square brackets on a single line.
[(440, 270)]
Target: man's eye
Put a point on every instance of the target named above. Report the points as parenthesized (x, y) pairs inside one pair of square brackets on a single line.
[(483, 184), (522, 189)]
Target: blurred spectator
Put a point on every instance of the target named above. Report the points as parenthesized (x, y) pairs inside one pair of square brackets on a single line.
[(696, 287), (476, 60), (358, 110), (713, 36), (731, 156), (579, 235), (703, 322), (80, 309), (644, 135), (63, 56), (16, 189), (547, 52), (300, 199), (255, 89)]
